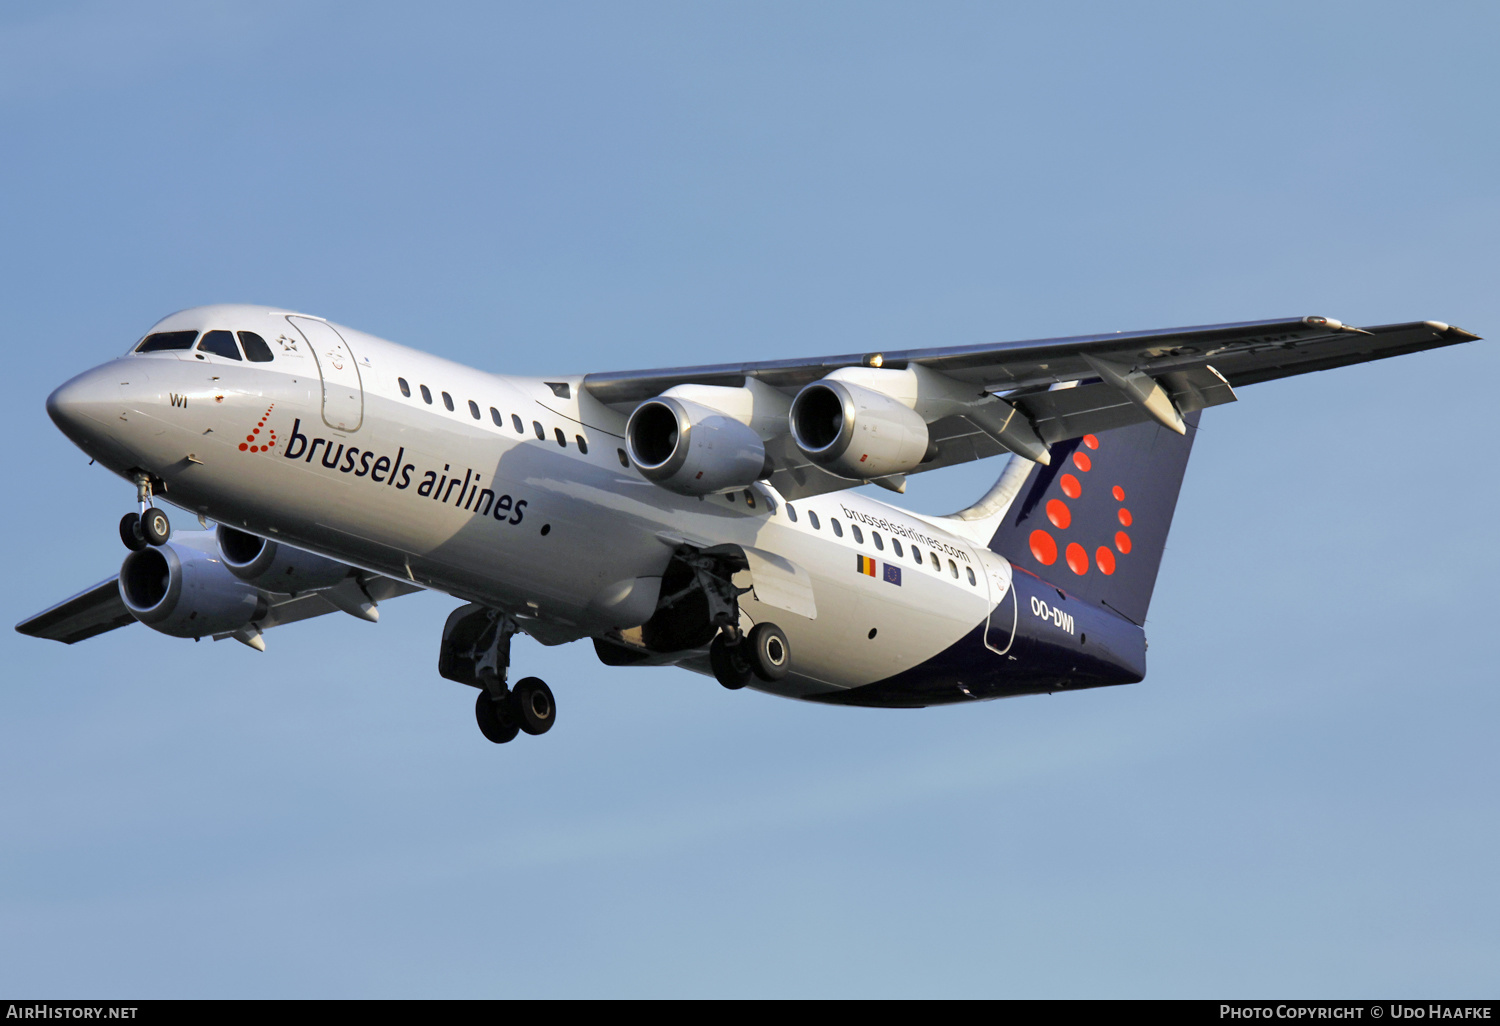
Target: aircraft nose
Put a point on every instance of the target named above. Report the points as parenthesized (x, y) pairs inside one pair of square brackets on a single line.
[(81, 407)]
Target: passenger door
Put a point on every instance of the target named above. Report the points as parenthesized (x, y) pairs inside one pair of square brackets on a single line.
[(343, 392)]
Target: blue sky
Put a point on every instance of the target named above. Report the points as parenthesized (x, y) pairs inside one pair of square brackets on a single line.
[(1297, 801)]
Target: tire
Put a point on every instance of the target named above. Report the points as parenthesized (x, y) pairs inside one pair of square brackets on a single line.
[(770, 655), (494, 719), (155, 527), (532, 705), (731, 668), (130, 532)]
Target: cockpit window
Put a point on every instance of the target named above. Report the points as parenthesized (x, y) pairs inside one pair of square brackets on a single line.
[(220, 343), (256, 350), (164, 340)]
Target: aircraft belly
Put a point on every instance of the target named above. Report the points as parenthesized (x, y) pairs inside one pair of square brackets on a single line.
[(911, 622)]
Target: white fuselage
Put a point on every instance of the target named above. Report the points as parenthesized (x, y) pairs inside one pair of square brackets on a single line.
[(519, 496)]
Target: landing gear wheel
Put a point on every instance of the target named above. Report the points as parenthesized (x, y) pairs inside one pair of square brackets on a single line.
[(130, 532), (531, 705), (731, 667), (494, 718), (155, 527), (768, 653)]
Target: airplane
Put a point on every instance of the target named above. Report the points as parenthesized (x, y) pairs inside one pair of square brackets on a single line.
[(701, 517)]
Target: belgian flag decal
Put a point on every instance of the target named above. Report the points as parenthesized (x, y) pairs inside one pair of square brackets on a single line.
[(866, 565)]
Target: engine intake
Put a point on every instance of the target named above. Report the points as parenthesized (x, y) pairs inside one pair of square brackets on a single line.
[(693, 449), (277, 566), (857, 432), (186, 593)]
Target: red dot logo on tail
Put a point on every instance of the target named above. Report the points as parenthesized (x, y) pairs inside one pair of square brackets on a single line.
[(1045, 548)]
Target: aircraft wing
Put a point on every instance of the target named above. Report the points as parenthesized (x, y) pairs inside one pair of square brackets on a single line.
[(1066, 387), (100, 609), (90, 612)]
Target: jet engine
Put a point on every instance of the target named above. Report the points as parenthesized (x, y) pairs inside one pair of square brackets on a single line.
[(857, 432), (700, 439), (186, 592), (277, 566)]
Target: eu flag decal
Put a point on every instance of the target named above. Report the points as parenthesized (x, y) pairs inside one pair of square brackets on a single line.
[(866, 565), (893, 574)]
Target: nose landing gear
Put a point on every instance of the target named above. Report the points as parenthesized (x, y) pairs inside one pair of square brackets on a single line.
[(148, 527)]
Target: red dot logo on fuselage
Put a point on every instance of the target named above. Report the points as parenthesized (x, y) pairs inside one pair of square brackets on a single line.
[(254, 442), (1045, 548)]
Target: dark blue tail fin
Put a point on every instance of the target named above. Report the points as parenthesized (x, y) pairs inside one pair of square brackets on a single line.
[(1095, 521)]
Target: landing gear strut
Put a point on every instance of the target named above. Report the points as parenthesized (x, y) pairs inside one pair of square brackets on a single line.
[(148, 527), (736, 658), (476, 651)]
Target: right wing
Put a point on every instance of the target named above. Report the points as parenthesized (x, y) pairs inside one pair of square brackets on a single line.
[(1195, 367)]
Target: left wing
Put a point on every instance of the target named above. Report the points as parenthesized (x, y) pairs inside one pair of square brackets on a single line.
[(90, 612), (1061, 388), (100, 609)]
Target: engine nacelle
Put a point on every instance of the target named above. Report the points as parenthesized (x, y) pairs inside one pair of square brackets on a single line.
[(187, 593), (857, 432), (276, 566), (693, 449)]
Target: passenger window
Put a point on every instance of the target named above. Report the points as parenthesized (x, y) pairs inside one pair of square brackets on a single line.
[(937, 564), (448, 401), (838, 531), (220, 343), (880, 545), (562, 439), (729, 496), (916, 554), (426, 395), (896, 544), (859, 536), (473, 409), (515, 420), (749, 498), (405, 388), (541, 432), (495, 416), (624, 460), (583, 445), (791, 512), (953, 567), (256, 350), (812, 518), (165, 340), (970, 571)]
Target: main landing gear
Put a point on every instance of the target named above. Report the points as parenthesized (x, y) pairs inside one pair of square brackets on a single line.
[(148, 527), (736, 657), (476, 651)]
